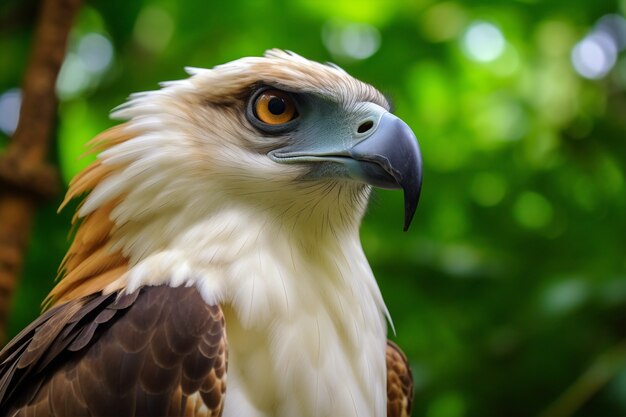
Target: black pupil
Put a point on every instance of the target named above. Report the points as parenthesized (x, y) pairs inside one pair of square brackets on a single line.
[(276, 106)]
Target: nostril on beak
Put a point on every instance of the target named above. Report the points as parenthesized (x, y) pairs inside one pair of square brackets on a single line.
[(365, 126)]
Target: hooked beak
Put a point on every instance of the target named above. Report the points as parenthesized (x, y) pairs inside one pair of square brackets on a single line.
[(386, 156), (391, 158)]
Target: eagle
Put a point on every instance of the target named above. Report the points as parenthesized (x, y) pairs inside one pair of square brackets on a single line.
[(216, 267)]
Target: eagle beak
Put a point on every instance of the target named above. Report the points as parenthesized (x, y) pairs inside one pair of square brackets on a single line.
[(375, 147), (390, 158)]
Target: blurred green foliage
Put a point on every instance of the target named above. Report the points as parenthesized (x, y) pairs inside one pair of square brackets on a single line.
[(509, 292)]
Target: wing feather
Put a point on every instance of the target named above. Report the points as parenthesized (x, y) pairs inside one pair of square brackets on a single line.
[(399, 382), (160, 351)]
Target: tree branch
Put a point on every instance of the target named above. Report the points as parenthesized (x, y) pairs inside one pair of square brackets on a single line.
[(25, 177)]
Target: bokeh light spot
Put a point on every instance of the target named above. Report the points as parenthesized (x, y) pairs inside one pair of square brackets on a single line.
[(84, 65), (483, 42), (595, 55), (564, 296), (354, 41), (73, 78), (487, 189), (10, 102), (96, 52), (499, 120), (532, 210), (443, 21), (613, 25), (154, 28), (460, 260)]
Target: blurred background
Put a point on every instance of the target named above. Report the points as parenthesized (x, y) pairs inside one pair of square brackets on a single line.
[(509, 292)]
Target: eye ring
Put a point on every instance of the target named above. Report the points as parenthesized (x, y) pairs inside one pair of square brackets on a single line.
[(272, 110)]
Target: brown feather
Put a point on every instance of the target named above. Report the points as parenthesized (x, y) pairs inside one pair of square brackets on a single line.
[(86, 180), (179, 373), (89, 265), (91, 285), (399, 382), (111, 137), (89, 177)]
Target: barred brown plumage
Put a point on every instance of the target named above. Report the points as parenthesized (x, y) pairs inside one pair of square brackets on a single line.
[(399, 382), (158, 351)]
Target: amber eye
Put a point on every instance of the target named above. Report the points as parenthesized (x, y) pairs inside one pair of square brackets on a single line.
[(274, 107)]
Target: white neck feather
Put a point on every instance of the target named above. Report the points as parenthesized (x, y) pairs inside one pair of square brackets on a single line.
[(305, 318)]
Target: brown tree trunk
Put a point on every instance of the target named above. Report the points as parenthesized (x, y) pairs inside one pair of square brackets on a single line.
[(25, 177)]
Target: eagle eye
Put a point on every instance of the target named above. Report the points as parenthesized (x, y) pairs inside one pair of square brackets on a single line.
[(274, 107)]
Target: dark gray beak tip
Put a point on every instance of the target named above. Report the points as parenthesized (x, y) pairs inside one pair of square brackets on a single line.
[(411, 200)]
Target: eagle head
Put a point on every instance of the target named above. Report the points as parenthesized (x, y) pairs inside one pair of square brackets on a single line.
[(297, 142)]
